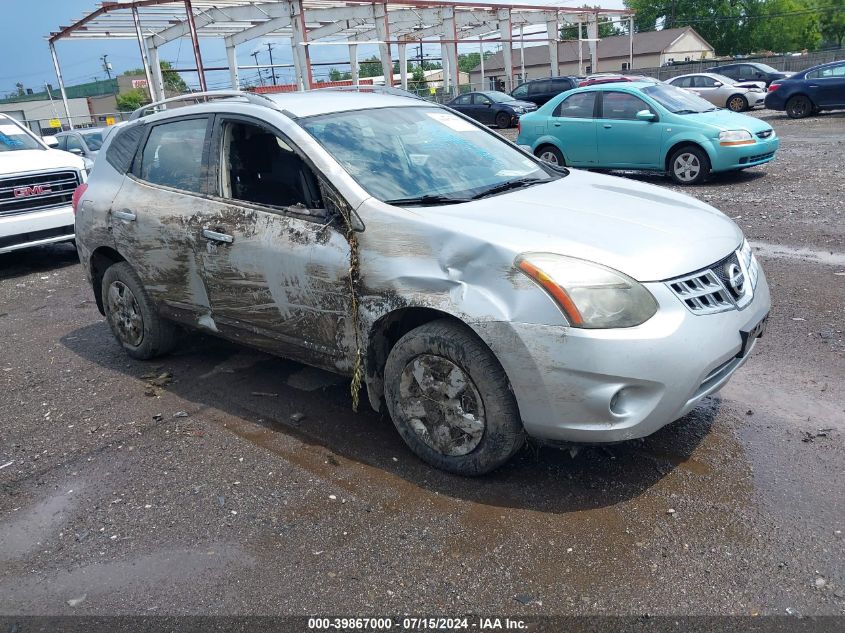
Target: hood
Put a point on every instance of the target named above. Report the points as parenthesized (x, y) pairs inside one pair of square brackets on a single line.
[(647, 232), (726, 120), (38, 160), (528, 105)]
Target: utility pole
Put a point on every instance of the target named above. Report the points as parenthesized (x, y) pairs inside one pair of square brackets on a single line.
[(255, 57), (272, 68), (106, 65)]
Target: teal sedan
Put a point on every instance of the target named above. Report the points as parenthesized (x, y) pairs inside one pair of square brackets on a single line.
[(644, 126)]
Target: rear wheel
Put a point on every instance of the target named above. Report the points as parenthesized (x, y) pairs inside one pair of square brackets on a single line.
[(132, 316), (689, 165), (551, 154), (450, 400), (503, 120), (738, 103), (799, 107)]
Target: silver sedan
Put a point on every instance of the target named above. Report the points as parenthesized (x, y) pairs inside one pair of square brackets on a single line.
[(722, 91)]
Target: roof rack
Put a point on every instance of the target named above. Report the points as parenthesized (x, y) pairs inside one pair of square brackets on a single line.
[(206, 96), (387, 90)]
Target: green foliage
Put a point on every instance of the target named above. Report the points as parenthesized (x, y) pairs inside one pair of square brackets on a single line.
[(132, 99), (173, 82), (746, 26), (832, 22), (606, 29), (336, 75), (370, 67), (470, 61), (417, 80)]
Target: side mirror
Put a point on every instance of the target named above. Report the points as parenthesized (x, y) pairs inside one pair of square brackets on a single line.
[(646, 115), (718, 84), (75, 150), (50, 141)]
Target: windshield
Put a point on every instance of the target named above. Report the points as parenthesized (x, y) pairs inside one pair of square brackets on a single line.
[(14, 137), (676, 100), (421, 153), (499, 97), (94, 140)]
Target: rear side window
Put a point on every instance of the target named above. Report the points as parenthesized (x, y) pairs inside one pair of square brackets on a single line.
[(577, 106), (173, 153), (538, 88), (560, 85), (123, 147), (683, 82)]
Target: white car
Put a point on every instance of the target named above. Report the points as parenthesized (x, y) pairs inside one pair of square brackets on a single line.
[(36, 187)]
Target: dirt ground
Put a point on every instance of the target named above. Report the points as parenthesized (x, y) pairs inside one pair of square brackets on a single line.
[(223, 481)]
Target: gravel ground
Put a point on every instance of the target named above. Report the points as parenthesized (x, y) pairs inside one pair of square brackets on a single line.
[(181, 487)]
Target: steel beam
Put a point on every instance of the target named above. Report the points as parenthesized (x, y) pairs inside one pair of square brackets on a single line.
[(593, 35), (353, 63), (234, 75), (144, 58), (61, 82), (299, 40), (505, 31), (259, 30), (403, 65), (158, 76), (451, 31), (195, 42), (382, 23), (553, 33)]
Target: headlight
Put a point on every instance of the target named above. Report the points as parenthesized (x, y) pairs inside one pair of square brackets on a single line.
[(590, 295), (735, 137), (518, 109)]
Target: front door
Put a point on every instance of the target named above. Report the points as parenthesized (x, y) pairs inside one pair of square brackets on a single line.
[(276, 270), (573, 124), (482, 108), (624, 141), (151, 216)]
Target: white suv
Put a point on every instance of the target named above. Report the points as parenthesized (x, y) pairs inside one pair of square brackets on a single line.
[(36, 186)]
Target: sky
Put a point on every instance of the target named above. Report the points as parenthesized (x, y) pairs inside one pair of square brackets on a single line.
[(25, 56)]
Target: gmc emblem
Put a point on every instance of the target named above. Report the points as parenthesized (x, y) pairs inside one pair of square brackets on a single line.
[(34, 190)]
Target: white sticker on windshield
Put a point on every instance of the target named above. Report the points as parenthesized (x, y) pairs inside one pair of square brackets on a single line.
[(454, 122), (10, 130)]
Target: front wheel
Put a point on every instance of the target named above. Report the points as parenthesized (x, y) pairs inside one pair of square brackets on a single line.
[(132, 316), (450, 399), (799, 107), (738, 103), (551, 155), (689, 166), (503, 120)]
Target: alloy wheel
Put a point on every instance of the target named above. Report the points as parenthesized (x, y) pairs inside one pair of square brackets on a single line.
[(686, 167), (124, 314), (442, 405), (549, 157), (736, 104)]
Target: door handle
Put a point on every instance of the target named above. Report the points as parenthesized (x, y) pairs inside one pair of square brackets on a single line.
[(124, 214), (607, 126), (214, 236), (557, 124)]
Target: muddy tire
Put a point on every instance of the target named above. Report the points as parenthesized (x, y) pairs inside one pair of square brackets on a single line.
[(132, 316), (450, 400), (503, 120)]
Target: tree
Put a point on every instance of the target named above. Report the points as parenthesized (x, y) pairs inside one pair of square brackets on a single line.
[(606, 29), (336, 75), (785, 26), (132, 99), (832, 22), (370, 67), (19, 90), (468, 62), (417, 82), (173, 82)]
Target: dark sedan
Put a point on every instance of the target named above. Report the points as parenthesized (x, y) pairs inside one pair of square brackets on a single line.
[(492, 107), (749, 71), (809, 91)]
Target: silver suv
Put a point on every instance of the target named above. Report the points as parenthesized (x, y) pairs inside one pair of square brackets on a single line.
[(478, 294)]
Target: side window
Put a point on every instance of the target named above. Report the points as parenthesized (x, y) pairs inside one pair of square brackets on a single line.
[(622, 106), (577, 106), (560, 84), (521, 92), (73, 142), (172, 155), (700, 81), (538, 87), (835, 71), (747, 71), (123, 147), (258, 166), (481, 100), (683, 82), (462, 100)]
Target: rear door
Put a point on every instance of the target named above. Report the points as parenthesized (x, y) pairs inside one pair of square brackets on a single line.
[(539, 91), (827, 86), (574, 125), (623, 140), (152, 217), (275, 268)]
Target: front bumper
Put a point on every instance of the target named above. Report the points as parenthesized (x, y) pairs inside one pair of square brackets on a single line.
[(38, 227), (574, 385), (727, 158)]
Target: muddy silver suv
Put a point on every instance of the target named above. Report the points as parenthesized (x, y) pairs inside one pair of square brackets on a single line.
[(476, 293)]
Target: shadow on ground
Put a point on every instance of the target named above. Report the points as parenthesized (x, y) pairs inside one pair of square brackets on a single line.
[(37, 259), (254, 389)]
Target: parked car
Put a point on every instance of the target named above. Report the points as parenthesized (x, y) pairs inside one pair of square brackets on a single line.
[(723, 91), (36, 185), (750, 71), (477, 293), (83, 142), (609, 78), (642, 126), (492, 107), (810, 91), (539, 91)]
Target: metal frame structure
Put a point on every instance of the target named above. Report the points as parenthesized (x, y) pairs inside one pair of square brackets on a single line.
[(390, 24)]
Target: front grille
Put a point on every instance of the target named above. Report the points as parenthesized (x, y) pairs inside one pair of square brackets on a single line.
[(36, 192), (728, 284), (754, 159)]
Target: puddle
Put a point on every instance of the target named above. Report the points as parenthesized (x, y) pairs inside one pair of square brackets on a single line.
[(24, 530), (781, 251)]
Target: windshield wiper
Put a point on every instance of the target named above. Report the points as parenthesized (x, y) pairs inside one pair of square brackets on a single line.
[(517, 183), (426, 200)]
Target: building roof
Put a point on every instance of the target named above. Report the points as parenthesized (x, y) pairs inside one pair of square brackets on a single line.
[(91, 89), (645, 43)]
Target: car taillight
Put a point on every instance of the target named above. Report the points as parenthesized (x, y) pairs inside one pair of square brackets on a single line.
[(77, 194), (773, 87)]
